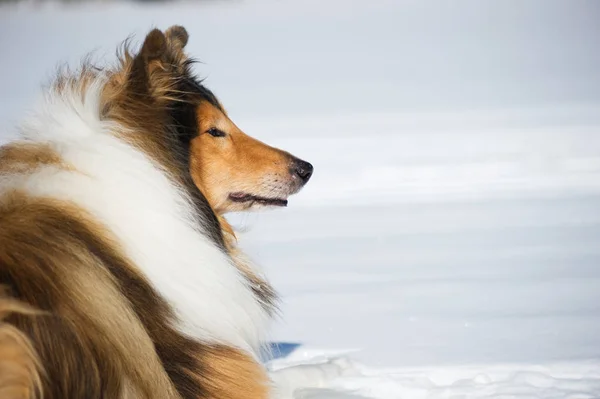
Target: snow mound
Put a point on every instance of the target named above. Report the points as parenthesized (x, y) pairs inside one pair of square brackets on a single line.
[(338, 377)]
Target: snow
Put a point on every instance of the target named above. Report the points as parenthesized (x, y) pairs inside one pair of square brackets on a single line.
[(448, 244)]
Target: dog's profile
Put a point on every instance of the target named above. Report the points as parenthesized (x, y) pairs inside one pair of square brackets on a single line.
[(119, 276)]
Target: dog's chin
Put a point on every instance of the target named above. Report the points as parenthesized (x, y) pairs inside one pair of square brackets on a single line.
[(247, 201)]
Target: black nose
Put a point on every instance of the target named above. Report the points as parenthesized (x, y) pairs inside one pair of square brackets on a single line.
[(303, 169)]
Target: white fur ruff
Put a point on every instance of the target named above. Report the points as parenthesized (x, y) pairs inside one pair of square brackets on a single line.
[(151, 217)]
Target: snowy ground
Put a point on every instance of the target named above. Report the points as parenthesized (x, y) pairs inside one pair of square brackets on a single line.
[(448, 245)]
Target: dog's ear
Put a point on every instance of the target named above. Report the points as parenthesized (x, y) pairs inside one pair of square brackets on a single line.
[(154, 48), (155, 45), (177, 36)]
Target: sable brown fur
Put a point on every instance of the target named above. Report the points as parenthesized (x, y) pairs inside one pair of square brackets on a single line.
[(79, 319), (20, 366), (89, 340)]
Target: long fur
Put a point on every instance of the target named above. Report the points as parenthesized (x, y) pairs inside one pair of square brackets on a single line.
[(101, 231), (20, 367)]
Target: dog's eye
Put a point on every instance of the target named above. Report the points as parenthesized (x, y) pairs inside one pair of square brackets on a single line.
[(213, 131)]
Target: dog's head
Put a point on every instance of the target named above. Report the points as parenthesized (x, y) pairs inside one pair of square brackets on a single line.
[(234, 171), (238, 172)]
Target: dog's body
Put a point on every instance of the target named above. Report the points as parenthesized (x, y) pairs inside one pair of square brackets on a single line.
[(120, 277)]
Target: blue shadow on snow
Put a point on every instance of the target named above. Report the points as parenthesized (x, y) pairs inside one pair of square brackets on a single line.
[(279, 350)]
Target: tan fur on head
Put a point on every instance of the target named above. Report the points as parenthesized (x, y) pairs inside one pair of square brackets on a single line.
[(235, 172), (236, 163)]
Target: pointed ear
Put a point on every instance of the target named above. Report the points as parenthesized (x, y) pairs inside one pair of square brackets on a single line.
[(154, 47), (177, 36)]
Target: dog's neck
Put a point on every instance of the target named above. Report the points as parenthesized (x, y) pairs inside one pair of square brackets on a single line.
[(260, 286)]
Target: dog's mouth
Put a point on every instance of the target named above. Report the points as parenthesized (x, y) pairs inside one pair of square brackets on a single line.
[(245, 197)]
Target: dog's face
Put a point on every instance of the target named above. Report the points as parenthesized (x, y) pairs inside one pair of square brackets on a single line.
[(237, 172), (234, 171)]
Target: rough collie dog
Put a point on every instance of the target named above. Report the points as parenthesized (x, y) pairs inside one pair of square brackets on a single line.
[(119, 276)]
